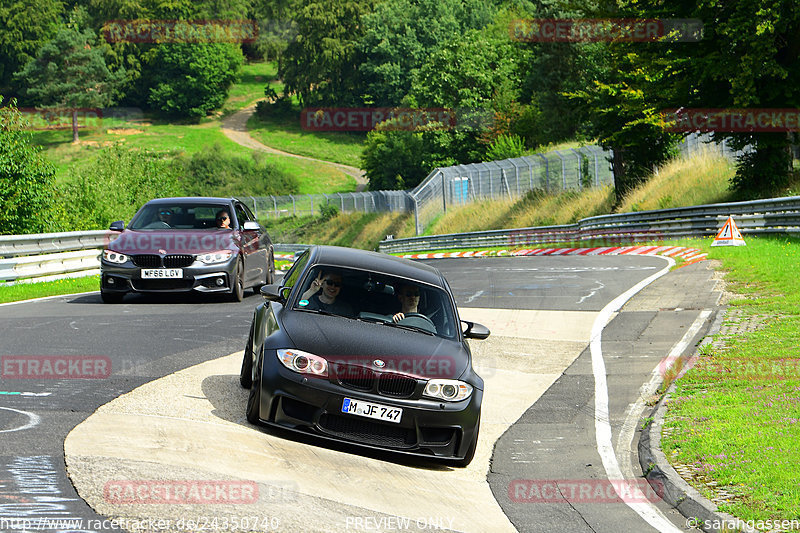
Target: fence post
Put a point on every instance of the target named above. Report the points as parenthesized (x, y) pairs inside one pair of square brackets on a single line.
[(312, 204), (416, 216), (294, 206), (274, 205), (444, 194), (579, 173)]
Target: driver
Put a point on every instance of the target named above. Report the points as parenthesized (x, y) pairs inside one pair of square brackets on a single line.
[(409, 301), (165, 216)]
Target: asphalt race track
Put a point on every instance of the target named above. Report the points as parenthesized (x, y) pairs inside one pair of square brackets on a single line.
[(560, 412)]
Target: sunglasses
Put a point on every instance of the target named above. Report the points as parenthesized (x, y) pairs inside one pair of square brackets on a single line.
[(223, 218), (409, 294), (166, 213), (331, 283)]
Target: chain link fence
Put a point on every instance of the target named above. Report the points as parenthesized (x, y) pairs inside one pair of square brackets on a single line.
[(509, 179)]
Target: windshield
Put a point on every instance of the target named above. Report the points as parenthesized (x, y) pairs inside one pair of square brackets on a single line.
[(377, 298), (181, 215)]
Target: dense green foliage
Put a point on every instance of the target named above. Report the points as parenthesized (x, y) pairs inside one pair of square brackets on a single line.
[(212, 173), (26, 178), (114, 186), (509, 93), (192, 79), (70, 73)]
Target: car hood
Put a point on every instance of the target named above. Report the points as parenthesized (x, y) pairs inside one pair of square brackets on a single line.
[(346, 341), (174, 241)]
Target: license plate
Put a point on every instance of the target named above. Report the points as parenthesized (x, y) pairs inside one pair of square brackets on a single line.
[(372, 410), (162, 273)]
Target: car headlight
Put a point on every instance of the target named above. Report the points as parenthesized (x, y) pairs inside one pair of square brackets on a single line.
[(303, 362), (114, 257), (214, 257), (450, 390)]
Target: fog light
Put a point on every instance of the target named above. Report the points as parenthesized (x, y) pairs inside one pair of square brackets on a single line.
[(220, 282), (110, 281)]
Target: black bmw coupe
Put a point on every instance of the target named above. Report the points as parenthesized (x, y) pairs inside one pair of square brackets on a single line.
[(365, 348)]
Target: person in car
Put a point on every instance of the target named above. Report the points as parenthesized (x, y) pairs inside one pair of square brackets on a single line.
[(223, 220), (165, 216), (409, 301), (323, 295)]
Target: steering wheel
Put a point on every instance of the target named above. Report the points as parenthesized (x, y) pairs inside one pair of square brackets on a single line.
[(421, 316)]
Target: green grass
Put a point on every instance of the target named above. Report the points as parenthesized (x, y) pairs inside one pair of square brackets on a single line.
[(183, 139), (735, 416), (284, 133), (26, 291), (254, 78)]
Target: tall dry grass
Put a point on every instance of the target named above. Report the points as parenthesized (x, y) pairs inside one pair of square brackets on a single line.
[(702, 179)]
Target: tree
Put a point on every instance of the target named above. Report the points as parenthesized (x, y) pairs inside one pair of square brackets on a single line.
[(321, 64), (69, 72), (192, 79), (24, 26), (399, 35), (26, 178)]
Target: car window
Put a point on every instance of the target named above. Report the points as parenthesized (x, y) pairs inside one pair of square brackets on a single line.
[(178, 215), (241, 214), (291, 276), (377, 298)]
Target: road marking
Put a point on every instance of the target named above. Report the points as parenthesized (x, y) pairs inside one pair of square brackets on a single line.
[(628, 431), (602, 422), (13, 393), (33, 420), (476, 295)]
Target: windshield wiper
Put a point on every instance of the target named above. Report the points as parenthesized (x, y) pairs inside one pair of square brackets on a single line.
[(317, 311)]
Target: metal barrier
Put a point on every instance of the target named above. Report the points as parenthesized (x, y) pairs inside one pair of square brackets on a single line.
[(773, 216), (52, 255)]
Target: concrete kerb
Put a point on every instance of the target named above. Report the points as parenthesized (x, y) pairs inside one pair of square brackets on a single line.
[(660, 473)]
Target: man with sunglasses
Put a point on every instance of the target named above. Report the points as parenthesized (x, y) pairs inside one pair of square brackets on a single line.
[(223, 220), (323, 295)]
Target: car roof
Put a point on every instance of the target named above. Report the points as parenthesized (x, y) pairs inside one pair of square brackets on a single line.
[(193, 199), (376, 262)]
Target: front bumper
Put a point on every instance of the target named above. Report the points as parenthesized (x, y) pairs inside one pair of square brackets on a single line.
[(312, 405), (196, 277)]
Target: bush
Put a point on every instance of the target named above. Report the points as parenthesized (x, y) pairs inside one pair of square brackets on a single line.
[(505, 146), (328, 211), (214, 173), (192, 79), (114, 186), (26, 178)]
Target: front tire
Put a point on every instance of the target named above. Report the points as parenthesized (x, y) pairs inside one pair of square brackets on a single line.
[(254, 400), (111, 297), (238, 283), (246, 374)]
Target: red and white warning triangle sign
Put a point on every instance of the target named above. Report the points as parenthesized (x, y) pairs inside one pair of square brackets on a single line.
[(729, 235)]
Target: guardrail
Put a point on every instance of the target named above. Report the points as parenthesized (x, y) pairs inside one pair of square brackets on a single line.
[(56, 255), (777, 215), (45, 256)]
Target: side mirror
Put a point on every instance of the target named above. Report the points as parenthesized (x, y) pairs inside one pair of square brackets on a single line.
[(250, 225), (274, 293), (119, 225), (475, 330)]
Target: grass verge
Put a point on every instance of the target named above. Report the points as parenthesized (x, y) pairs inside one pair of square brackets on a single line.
[(734, 418), (27, 291)]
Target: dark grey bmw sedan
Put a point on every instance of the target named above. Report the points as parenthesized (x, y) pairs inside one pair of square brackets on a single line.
[(212, 245), (365, 348)]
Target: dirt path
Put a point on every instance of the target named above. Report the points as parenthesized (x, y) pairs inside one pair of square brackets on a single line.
[(235, 128)]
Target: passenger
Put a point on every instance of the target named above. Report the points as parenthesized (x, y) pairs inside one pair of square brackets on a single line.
[(323, 295)]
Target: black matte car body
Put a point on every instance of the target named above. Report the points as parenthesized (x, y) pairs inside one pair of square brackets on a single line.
[(374, 366), (188, 252)]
